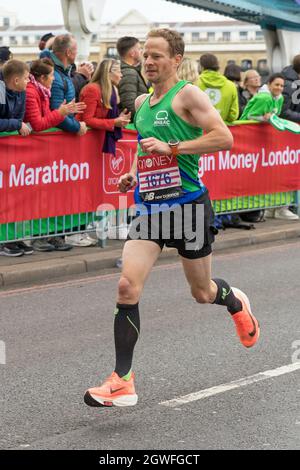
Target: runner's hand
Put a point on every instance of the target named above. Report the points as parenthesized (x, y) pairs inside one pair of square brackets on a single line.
[(152, 145), (126, 182)]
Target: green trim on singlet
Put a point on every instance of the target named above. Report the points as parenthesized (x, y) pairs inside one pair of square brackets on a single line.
[(161, 121)]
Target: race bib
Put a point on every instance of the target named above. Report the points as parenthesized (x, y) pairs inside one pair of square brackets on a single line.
[(159, 178)]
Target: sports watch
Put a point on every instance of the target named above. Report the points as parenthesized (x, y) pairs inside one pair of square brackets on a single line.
[(173, 144)]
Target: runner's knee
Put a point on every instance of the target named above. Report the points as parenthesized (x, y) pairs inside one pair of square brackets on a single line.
[(128, 290)]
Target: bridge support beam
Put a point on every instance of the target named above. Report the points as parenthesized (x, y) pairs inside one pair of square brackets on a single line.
[(282, 46), (83, 18)]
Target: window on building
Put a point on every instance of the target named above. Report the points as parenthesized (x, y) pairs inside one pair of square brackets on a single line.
[(246, 64), (182, 35), (111, 52), (6, 22), (195, 37), (94, 38), (13, 40), (1, 40), (262, 67), (243, 35), (226, 36), (259, 35), (211, 36), (230, 62), (37, 38), (25, 40)]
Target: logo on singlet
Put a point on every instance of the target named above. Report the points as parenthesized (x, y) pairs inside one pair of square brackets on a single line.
[(162, 119)]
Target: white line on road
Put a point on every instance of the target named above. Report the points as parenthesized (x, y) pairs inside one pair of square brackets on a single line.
[(208, 392)]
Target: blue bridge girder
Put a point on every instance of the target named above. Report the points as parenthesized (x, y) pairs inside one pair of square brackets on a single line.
[(269, 14)]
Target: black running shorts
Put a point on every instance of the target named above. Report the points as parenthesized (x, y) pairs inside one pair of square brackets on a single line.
[(197, 233)]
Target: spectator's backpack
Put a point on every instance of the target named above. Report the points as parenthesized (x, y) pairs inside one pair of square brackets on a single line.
[(253, 216), (231, 221)]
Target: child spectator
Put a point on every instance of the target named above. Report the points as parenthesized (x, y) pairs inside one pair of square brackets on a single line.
[(13, 81)]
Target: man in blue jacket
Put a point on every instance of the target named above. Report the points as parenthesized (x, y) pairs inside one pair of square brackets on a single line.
[(13, 81), (63, 55)]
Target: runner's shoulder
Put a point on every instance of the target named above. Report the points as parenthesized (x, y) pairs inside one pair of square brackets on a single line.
[(191, 95), (190, 90), (140, 100)]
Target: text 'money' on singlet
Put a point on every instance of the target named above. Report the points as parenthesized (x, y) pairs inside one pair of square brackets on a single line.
[(164, 179)]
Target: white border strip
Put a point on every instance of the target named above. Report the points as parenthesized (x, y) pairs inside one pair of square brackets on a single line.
[(208, 392)]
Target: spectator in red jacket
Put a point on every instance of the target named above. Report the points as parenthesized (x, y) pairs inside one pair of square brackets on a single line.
[(101, 98), (38, 93)]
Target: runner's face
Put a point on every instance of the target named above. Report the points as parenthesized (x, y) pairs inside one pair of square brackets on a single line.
[(158, 64), (276, 87)]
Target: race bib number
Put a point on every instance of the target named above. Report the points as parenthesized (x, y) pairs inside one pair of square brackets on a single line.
[(159, 178)]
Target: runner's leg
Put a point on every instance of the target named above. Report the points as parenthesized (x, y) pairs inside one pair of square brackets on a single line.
[(206, 290), (138, 258)]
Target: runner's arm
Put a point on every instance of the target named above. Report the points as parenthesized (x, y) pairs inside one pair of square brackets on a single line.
[(202, 114), (217, 135)]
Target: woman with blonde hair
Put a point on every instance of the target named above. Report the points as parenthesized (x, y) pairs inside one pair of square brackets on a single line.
[(188, 70), (101, 98)]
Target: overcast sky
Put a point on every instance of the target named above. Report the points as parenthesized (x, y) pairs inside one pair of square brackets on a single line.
[(49, 11)]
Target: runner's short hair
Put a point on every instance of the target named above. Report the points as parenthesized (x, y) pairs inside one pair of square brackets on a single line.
[(125, 43), (14, 68), (173, 38)]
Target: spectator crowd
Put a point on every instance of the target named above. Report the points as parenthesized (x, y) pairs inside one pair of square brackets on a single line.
[(53, 92)]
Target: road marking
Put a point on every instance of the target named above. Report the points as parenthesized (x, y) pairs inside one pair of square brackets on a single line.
[(209, 392)]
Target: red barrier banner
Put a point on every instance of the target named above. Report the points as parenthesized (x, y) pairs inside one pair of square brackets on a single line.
[(263, 160), (54, 174), (49, 174)]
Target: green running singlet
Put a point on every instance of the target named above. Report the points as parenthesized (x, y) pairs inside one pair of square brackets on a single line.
[(161, 122)]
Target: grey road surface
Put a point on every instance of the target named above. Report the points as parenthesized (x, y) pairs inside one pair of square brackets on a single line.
[(58, 342)]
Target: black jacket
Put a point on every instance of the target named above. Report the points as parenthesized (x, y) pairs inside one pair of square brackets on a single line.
[(291, 105), (12, 108), (131, 86)]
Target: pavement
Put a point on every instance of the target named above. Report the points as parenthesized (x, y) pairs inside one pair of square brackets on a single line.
[(41, 267), (57, 341)]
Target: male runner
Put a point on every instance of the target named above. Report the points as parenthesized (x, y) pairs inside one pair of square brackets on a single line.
[(170, 123)]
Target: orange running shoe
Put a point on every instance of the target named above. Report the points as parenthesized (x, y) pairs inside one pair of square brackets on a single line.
[(113, 392), (247, 327)]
